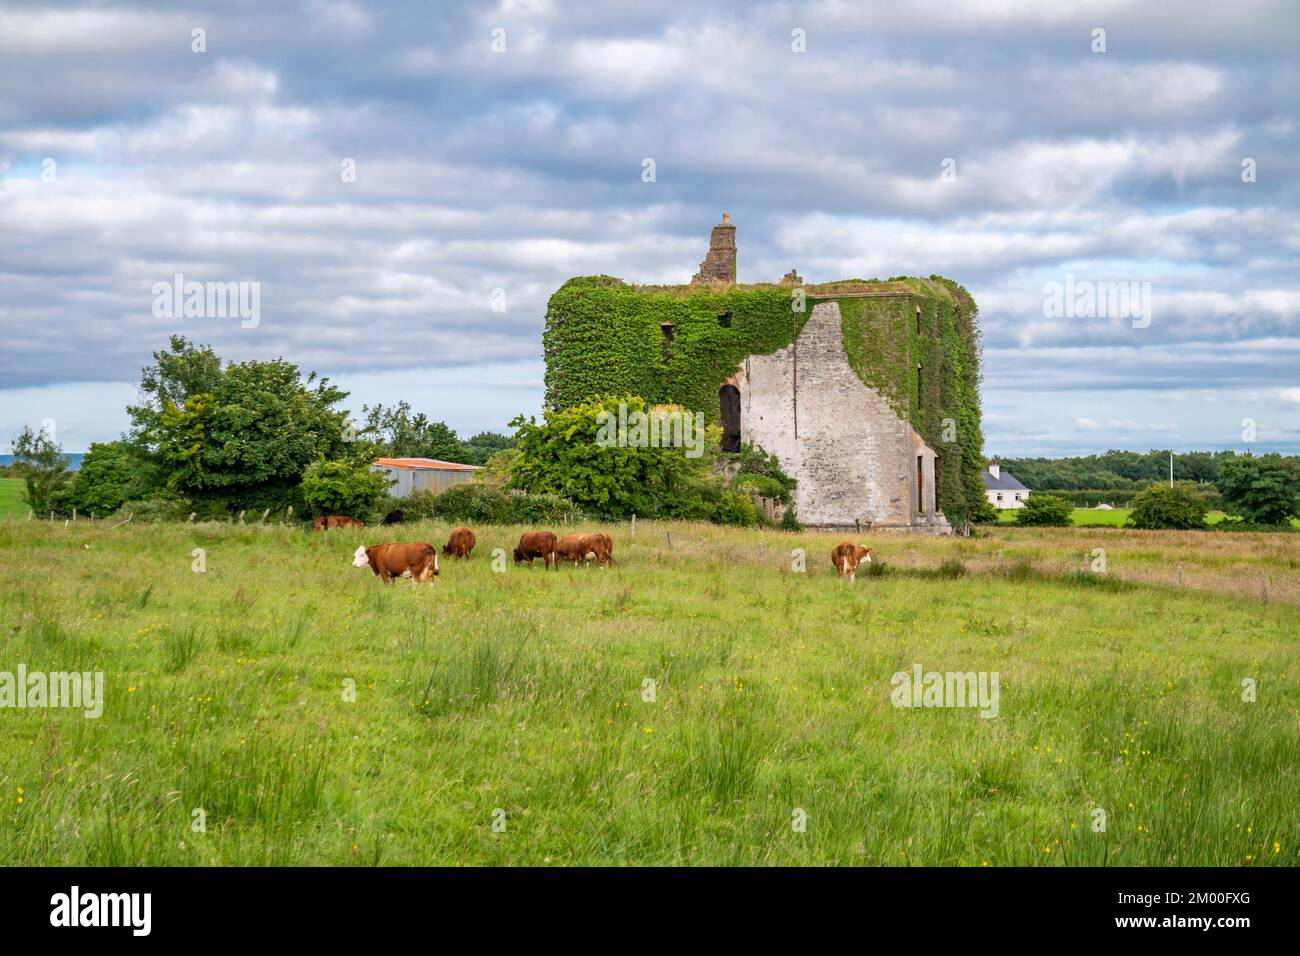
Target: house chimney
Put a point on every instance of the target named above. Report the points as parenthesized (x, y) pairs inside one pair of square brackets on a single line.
[(995, 470)]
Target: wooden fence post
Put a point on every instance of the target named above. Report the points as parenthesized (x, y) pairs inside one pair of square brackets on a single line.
[(633, 534)]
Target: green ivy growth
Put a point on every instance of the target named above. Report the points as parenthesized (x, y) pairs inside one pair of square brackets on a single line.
[(605, 337)]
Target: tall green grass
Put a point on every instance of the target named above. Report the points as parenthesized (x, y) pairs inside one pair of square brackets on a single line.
[(687, 706)]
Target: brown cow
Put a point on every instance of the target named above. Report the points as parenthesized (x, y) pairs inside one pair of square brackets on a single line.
[(390, 561), (599, 547), (460, 544), (582, 547), (570, 548), (848, 557), (324, 522), (536, 544)]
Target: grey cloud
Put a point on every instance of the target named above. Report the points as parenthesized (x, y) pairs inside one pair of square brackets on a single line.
[(479, 171)]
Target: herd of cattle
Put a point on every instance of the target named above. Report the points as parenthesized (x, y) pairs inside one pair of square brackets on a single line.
[(419, 561)]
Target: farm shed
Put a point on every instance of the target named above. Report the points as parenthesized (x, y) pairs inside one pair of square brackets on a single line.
[(422, 474)]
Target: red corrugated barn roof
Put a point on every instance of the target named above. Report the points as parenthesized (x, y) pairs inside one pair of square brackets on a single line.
[(430, 463)]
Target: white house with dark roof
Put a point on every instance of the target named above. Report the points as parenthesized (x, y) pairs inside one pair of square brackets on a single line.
[(1002, 488)]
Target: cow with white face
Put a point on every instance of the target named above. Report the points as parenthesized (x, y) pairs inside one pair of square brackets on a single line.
[(848, 557), (390, 561)]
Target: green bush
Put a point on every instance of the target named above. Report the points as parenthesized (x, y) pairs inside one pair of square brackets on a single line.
[(541, 509), (985, 513), (418, 505), (161, 505), (111, 473), (1044, 510), (342, 488), (760, 473), (790, 521), (474, 503), (1160, 506), (735, 508)]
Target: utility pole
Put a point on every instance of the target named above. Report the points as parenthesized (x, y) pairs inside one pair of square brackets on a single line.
[(1171, 468)]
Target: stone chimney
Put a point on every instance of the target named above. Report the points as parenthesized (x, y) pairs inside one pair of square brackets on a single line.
[(720, 263), (995, 470)]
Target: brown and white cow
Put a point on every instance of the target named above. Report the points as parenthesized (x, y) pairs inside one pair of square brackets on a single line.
[(460, 544), (390, 561), (324, 522), (536, 544), (848, 557)]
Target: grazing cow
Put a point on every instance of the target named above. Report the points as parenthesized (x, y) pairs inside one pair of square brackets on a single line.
[(324, 522), (460, 544), (598, 547), (390, 561), (536, 544), (570, 548), (396, 516), (586, 547), (848, 557)]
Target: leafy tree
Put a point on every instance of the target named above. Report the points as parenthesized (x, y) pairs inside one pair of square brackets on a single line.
[(1116, 470), (180, 372), (1047, 510), (239, 436), (40, 462), (1264, 489), (396, 433), (498, 469), (1160, 506), (342, 488), (486, 444), (111, 473), (562, 456)]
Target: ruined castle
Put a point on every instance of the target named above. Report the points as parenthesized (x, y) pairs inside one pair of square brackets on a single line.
[(865, 390)]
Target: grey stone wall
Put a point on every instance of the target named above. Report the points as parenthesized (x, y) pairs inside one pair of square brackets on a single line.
[(854, 458)]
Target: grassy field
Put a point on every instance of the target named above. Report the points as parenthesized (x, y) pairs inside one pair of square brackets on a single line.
[(1114, 518), (519, 699), (11, 498)]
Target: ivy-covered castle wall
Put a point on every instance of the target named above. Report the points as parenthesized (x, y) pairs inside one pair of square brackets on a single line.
[(682, 343)]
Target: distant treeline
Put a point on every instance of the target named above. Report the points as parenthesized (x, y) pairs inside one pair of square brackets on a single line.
[(1117, 470)]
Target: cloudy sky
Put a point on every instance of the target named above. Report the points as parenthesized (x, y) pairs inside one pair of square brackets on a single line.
[(504, 148)]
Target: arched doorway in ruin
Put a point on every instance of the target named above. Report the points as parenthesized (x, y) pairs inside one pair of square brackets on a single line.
[(729, 402)]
